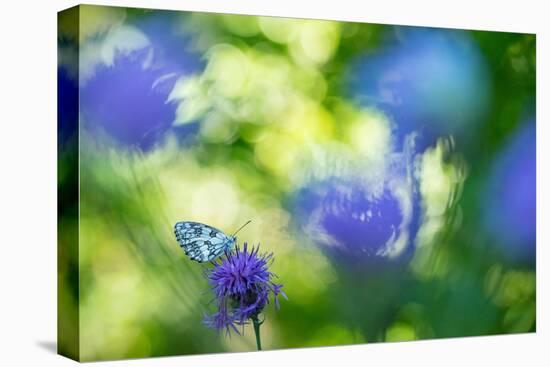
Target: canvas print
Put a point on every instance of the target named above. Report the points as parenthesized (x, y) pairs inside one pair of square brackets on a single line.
[(238, 183)]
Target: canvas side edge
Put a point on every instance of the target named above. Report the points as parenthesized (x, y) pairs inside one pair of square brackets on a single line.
[(68, 284)]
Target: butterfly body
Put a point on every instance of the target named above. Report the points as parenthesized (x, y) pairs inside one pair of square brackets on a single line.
[(201, 242)]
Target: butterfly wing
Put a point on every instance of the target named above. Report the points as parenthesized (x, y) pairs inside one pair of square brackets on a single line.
[(201, 242)]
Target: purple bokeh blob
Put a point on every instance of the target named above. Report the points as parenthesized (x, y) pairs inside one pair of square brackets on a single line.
[(431, 81), (67, 105), (353, 226), (129, 99), (510, 207)]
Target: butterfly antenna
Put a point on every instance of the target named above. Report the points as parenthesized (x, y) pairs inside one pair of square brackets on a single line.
[(244, 225)]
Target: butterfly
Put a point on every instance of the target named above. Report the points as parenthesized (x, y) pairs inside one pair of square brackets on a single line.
[(203, 243)]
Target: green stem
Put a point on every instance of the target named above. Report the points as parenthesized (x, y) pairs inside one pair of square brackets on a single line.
[(257, 324)]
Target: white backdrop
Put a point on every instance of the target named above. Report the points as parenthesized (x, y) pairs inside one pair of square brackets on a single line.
[(28, 182)]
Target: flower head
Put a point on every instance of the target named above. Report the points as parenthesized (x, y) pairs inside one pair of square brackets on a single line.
[(241, 282)]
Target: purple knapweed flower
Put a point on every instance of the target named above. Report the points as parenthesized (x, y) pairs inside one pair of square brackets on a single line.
[(241, 282)]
